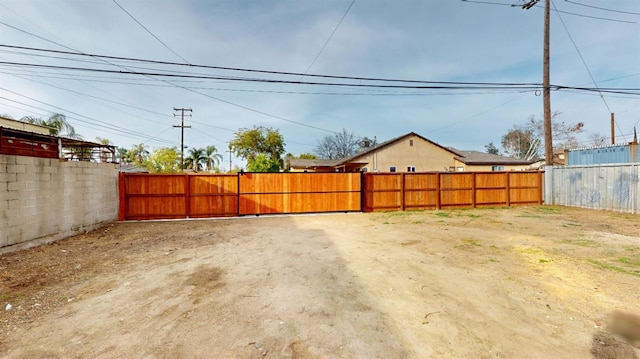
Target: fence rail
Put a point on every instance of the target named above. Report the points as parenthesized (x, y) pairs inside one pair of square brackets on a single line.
[(158, 196)]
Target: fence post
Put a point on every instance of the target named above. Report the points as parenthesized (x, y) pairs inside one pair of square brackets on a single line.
[(402, 179), (540, 182), (363, 192), (473, 190), (438, 206), (238, 191), (187, 195), (508, 189), (121, 197)]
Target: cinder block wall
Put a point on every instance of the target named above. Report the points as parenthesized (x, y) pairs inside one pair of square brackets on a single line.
[(43, 200)]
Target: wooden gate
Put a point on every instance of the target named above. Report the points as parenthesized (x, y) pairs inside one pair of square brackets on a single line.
[(168, 196)]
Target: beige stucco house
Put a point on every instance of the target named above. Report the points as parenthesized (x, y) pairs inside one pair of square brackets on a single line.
[(412, 153)]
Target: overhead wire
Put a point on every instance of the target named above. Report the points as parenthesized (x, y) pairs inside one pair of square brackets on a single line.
[(603, 9), (560, 11), (583, 61), (193, 91), (149, 31), (328, 39)]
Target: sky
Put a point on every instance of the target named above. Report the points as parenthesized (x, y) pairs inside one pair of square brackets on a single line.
[(594, 44)]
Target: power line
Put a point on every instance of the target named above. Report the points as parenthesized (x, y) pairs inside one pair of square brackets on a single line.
[(101, 123), (450, 85), (329, 39), (149, 31), (603, 9), (560, 11), (581, 57), (158, 62)]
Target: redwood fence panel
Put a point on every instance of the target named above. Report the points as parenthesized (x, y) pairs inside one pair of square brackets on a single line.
[(167, 196), (437, 190), (270, 193)]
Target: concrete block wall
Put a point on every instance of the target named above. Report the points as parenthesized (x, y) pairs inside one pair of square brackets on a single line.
[(43, 200)]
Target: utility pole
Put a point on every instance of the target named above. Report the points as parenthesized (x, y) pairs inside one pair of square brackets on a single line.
[(182, 127), (546, 88), (613, 129)]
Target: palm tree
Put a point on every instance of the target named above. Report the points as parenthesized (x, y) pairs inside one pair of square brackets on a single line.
[(57, 123), (212, 157), (195, 159), (122, 154), (138, 154)]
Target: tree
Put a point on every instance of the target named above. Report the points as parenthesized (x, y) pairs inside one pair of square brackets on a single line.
[(122, 154), (213, 158), (57, 123), (163, 160), (249, 143), (340, 145), (263, 163), (195, 159), (307, 156), (598, 139), (491, 149), (138, 154), (526, 141)]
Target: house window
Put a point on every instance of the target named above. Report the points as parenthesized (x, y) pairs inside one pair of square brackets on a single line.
[(411, 169), (460, 169), (411, 143), (392, 169), (497, 168)]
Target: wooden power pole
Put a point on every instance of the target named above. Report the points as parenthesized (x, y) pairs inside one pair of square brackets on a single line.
[(548, 136), (546, 87), (182, 127)]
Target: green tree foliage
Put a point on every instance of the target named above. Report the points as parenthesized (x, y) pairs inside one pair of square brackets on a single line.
[(527, 141), (263, 163), (491, 149), (213, 158), (163, 160), (138, 154), (307, 156), (122, 154), (196, 159), (57, 123), (250, 143)]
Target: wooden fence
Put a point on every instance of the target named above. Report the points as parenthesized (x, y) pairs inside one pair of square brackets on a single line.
[(154, 196), (407, 191), (158, 196)]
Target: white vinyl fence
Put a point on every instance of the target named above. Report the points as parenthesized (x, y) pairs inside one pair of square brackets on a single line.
[(607, 186)]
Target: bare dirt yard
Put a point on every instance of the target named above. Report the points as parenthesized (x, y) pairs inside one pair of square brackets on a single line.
[(530, 282)]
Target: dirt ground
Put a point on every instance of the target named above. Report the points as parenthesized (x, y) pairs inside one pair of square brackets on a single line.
[(536, 282)]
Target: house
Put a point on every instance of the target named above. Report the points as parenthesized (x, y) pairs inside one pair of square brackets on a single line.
[(412, 153)]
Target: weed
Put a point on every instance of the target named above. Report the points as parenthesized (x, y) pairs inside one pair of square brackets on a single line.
[(544, 261), (632, 249), (583, 242), (625, 260), (549, 210), (418, 222), (468, 244), (613, 268), (443, 214), (566, 225), (471, 215)]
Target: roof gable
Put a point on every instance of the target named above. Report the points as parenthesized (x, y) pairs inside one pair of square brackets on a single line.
[(391, 142)]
